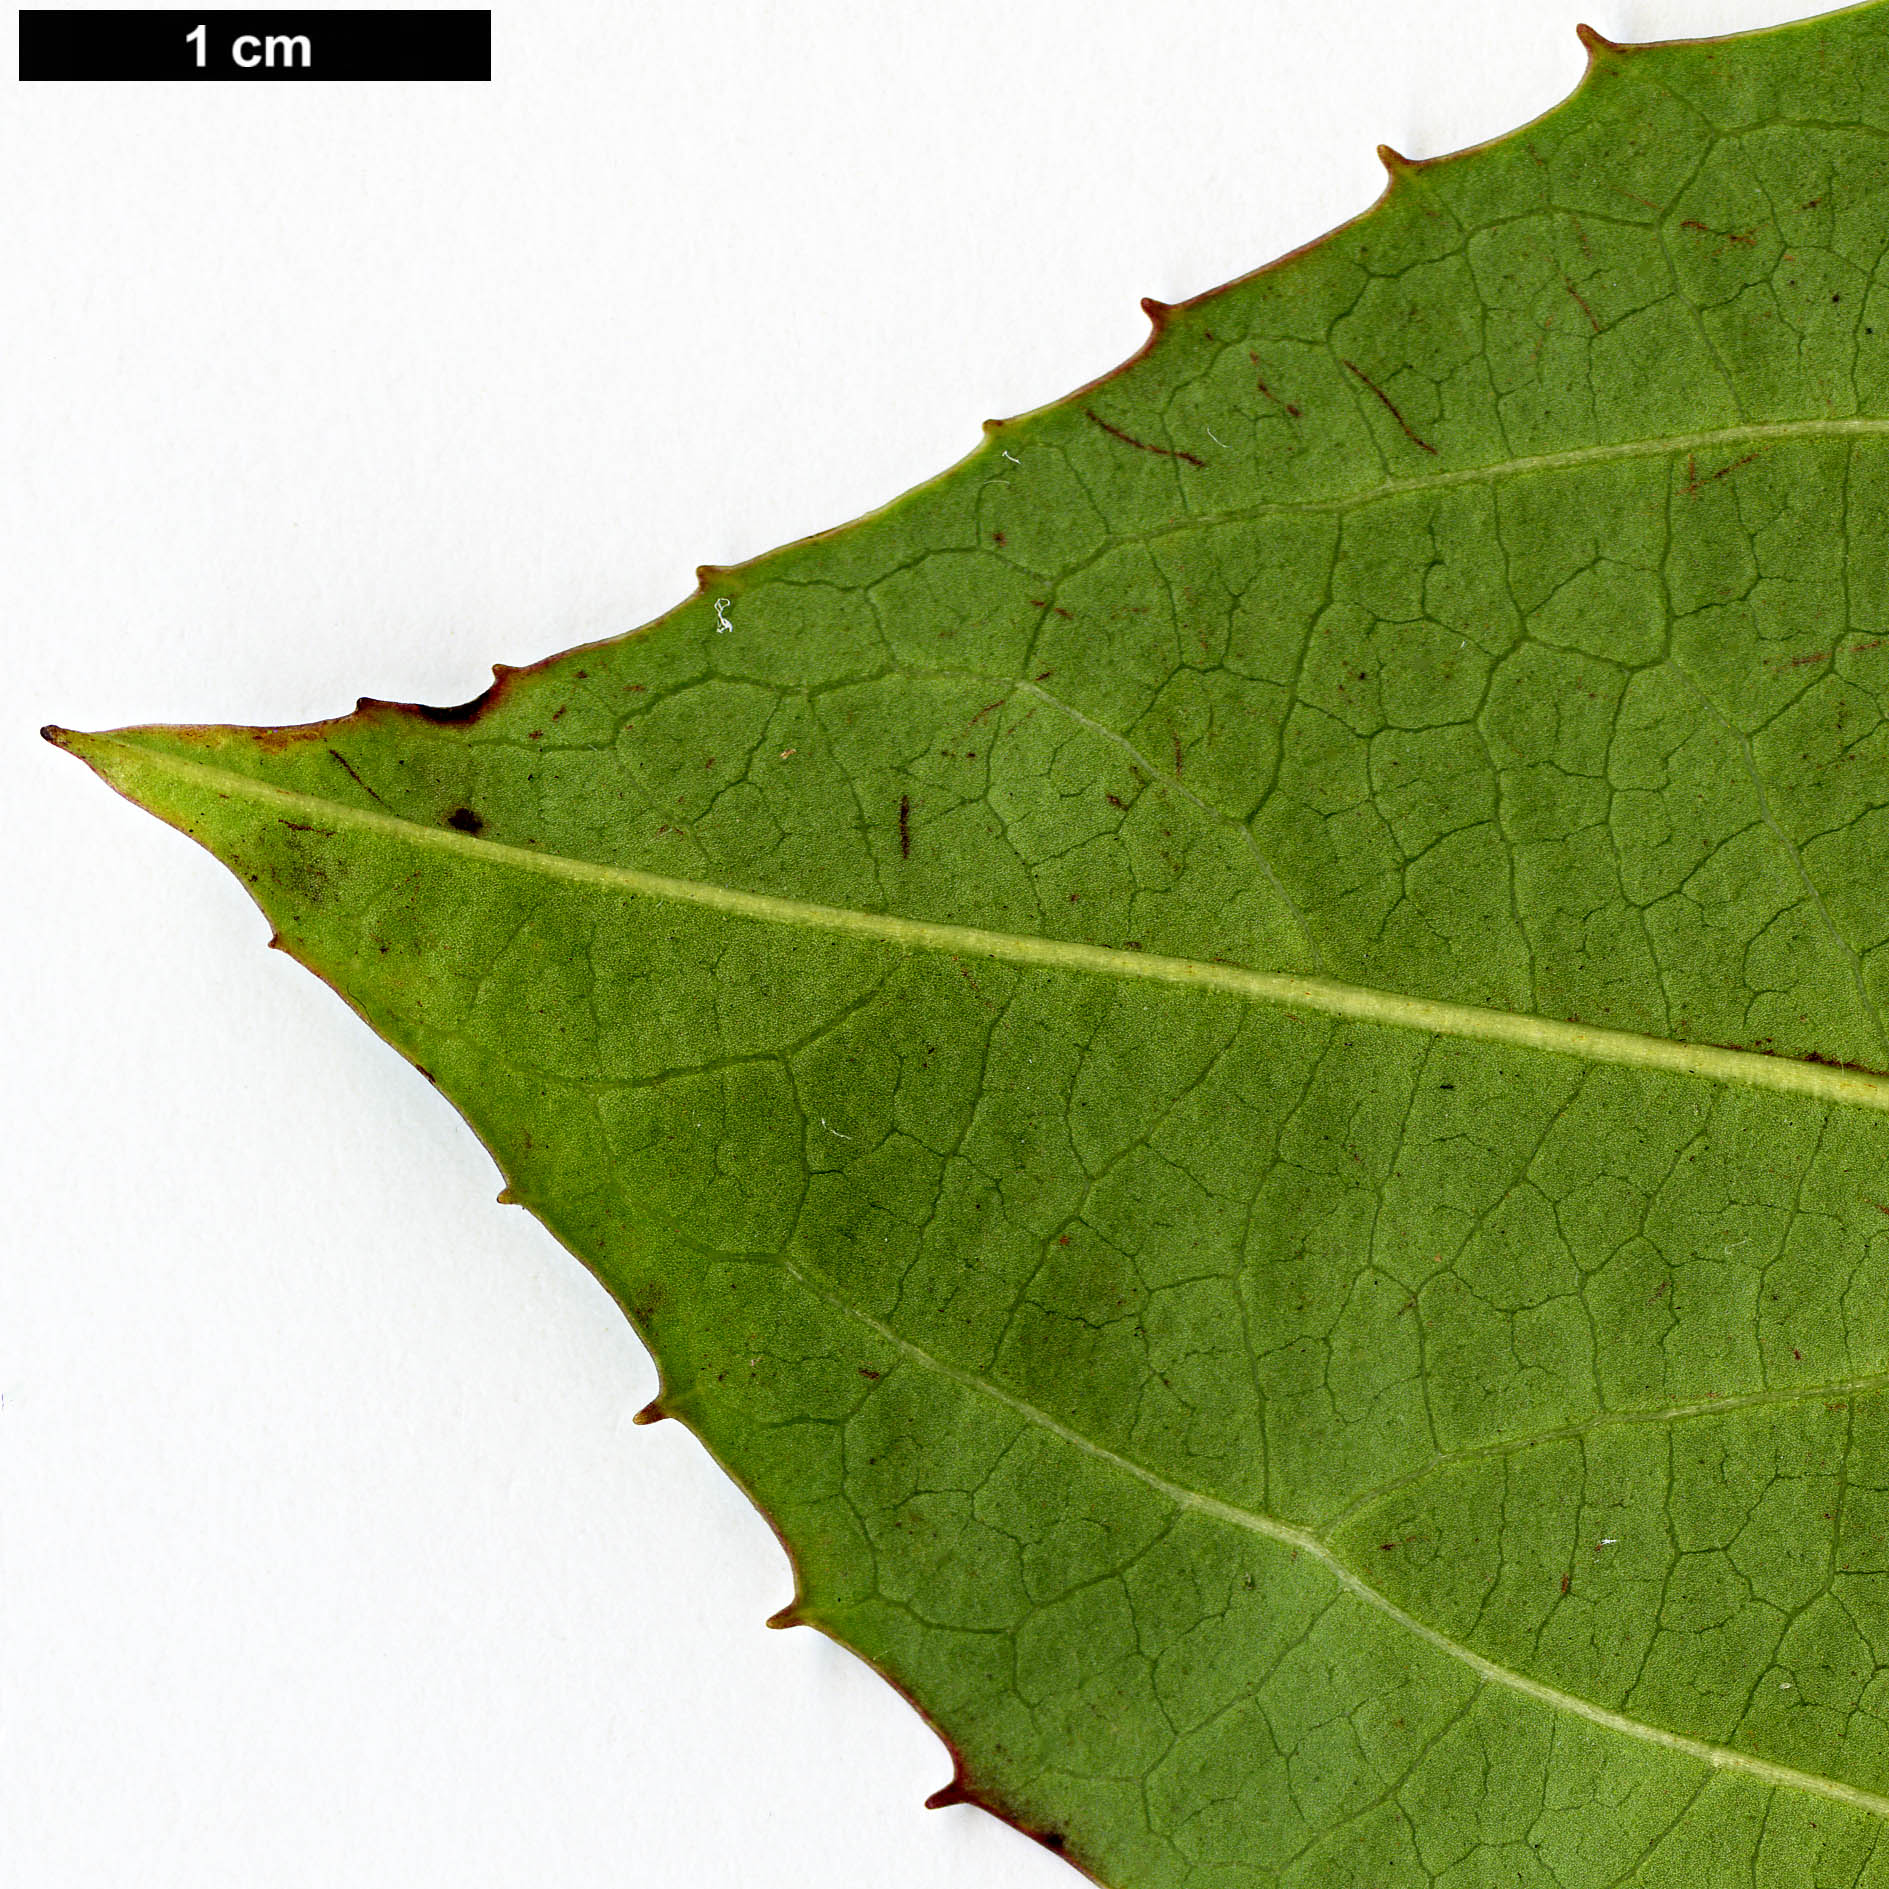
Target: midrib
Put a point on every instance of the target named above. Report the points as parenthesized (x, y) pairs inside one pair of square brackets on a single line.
[(1303, 1541), (1289, 991)]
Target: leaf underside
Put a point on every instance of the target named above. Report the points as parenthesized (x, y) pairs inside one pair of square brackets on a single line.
[(1229, 1056)]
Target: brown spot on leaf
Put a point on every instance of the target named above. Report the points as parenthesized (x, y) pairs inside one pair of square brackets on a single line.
[(337, 755), (1736, 239), (1409, 432), (1142, 445), (1289, 408)]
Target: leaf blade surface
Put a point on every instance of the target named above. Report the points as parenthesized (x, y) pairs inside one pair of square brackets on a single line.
[(1251, 1419)]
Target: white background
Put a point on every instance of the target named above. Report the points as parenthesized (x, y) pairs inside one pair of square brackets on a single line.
[(328, 1553)]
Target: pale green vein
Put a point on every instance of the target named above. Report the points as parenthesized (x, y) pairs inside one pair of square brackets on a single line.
[(1304, 1541), (1721, 438), (120, 761), (1847, 1388), (1220, 814)]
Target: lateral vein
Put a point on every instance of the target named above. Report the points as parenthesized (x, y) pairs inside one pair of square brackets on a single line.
[(1763, 432), (1304, 1541)]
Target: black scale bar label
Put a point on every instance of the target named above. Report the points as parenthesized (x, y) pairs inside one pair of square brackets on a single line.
[(272, 46)]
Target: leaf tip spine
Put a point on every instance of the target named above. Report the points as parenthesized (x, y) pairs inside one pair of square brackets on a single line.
[(1395, 162), (1599, 47), (92, 749), (651, 1412), (789, 1616), (1157, 312), (948, 1794)]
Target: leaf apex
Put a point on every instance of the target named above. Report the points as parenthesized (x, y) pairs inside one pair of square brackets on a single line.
[(74, 741), (109, 755)]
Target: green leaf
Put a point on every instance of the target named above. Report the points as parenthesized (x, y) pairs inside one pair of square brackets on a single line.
[(1231, 1058)]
